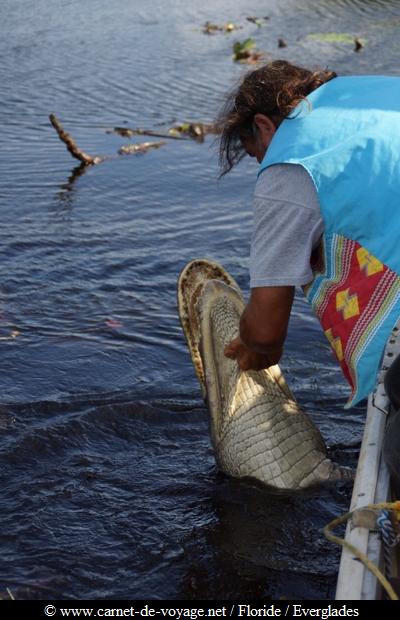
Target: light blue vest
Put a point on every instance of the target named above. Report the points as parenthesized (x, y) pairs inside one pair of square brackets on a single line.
[(347, 137)]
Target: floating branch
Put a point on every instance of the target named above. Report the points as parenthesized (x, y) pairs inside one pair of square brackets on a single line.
[(181, 131), (258, 21), (140, 148), (71, 145), (127, 132)]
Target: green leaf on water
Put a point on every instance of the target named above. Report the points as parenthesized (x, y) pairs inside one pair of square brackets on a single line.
[(333, 37), (243, 46), (183, 127)]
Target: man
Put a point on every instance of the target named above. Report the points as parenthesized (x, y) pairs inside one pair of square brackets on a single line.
[(326, 215)]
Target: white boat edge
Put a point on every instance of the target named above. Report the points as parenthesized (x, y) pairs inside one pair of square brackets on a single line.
[(371, 486)]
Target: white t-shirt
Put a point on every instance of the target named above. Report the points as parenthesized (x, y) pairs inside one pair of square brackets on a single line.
[(287, 226)]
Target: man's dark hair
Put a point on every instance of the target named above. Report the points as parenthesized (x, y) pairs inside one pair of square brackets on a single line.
[(274, 90)]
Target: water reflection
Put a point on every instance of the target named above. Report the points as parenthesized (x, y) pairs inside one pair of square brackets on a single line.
[(65, 197)]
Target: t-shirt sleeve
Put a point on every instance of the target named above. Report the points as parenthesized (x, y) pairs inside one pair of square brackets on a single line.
[(287, 226)]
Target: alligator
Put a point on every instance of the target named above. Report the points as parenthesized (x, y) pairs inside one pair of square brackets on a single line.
[(258, 430)]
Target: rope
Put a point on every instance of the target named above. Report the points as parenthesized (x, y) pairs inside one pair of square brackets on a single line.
[(389, 536), (359, 554)]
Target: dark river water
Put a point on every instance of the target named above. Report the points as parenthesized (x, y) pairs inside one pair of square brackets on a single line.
[(109, 487)]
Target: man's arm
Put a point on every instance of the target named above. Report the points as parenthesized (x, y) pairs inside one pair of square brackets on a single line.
[(263, 328)]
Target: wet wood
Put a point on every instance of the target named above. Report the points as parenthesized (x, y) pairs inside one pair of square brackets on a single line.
[(142, 147), (181, 131), (71, 145), (358, 44), (258, 21), (127, 132)]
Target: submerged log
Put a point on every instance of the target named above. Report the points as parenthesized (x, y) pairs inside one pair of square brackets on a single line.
[(71, 145)]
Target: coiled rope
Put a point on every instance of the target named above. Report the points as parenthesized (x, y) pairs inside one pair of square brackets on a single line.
[(390, 538), (386, 532)]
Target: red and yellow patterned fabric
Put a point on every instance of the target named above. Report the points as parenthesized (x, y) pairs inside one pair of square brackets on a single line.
[(351, 294)]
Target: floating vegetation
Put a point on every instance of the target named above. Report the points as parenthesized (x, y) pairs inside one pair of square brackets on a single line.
[(258, 21), (245, 52), (181, 131), (210, 28), (141, 147), (338, 37), (331, 37), (193, 130)]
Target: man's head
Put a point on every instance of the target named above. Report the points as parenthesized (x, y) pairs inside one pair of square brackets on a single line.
[(255, 109), (256, 144)]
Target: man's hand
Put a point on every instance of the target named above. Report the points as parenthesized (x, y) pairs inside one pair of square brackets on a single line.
[(263, 327), (250, 360)]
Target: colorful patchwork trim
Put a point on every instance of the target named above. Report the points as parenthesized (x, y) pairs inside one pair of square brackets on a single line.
[(357, 300)]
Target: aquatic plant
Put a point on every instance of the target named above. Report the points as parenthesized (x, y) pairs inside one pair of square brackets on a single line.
[(193, 130), (210, 28), (244, 51), (334, 37)]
